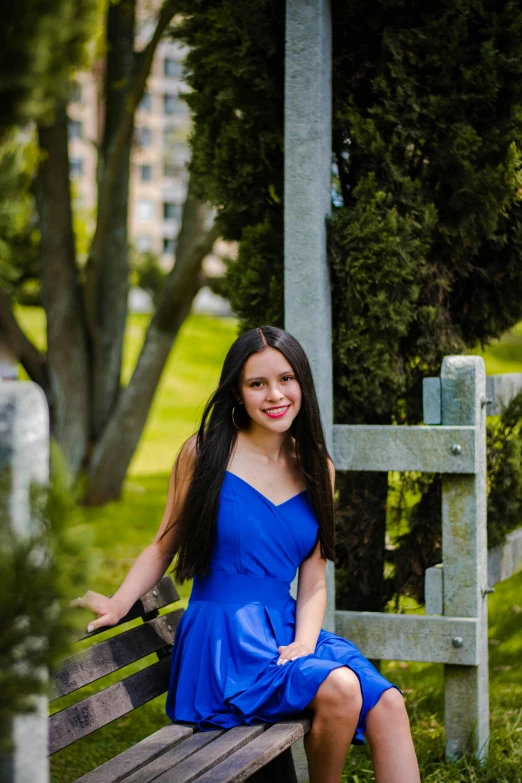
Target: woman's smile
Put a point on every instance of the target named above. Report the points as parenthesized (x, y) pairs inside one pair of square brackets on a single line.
[(276, 413)]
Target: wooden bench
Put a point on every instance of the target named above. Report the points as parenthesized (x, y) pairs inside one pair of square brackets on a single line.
[(178, 752)]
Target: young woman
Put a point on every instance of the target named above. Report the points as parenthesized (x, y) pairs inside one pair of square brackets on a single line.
[(250, 501)]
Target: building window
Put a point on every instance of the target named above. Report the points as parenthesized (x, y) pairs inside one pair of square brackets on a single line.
[(171, 104), (174, 145), (144, 136), (146, 172), (75, 129), (171, 211), (172, 67), (146, 102), (76, 168), (169, 136), (168, 245), (143, 244), (173, 170), (144, 210), (75, 91)]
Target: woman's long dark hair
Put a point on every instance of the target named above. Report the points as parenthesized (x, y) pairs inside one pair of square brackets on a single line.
[(195, 522)]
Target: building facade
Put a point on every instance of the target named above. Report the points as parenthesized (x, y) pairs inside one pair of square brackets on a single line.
[(160, 153)]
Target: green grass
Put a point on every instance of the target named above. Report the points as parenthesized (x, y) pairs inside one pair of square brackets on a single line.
[(504, 355), (119, 531)]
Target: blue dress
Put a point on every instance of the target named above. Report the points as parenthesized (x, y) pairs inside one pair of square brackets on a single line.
[(224, 668)]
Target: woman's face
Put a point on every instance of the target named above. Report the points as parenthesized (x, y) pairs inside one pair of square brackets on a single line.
[(269, 389)]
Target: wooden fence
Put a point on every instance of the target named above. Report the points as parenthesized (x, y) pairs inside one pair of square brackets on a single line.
[(454, 629)]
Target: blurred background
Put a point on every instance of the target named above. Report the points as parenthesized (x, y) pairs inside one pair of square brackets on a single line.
[(141, 229)]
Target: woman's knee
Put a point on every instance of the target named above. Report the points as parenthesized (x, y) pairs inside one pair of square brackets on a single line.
[(340, 692), (389, 710)]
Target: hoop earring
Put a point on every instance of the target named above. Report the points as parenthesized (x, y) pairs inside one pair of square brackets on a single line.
[(233, 420)]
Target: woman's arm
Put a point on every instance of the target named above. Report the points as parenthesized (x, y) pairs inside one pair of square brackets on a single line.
[(311, 601), (153, 561)]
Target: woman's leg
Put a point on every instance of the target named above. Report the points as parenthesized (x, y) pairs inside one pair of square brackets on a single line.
[(388, 732), (336, 707)]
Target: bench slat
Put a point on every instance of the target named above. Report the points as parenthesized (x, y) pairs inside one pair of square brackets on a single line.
[(163, 594), (252, 756), (115, 653), (101, 708), (222, 747), (281, 768), (138, 755), (190, 746)]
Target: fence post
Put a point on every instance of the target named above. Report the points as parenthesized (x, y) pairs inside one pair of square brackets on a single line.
[(308, 150), (24, 457), (308, 145), (464, 552)]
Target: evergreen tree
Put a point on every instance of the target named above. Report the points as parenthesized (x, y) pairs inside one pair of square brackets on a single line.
[(425, 235), (39, 42)]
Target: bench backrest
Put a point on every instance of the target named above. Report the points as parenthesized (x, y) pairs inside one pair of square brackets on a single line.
[(155, 635)]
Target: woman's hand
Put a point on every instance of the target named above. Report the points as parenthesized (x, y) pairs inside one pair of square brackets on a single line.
[(289, 652), (108, 610)]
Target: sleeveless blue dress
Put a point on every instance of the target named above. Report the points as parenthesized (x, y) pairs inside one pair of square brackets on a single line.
[(223, 667)]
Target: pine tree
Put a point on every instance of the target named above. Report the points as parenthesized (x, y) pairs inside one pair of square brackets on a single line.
[(425, 236)]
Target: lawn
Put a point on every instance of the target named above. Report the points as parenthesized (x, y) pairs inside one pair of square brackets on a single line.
[(118, 531)]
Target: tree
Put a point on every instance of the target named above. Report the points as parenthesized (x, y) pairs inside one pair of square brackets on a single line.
[(425, 235), (39, 42), (97, 423)]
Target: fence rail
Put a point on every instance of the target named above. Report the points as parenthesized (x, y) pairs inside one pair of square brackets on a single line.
[(383, 448), (410, 637), (500, 390)]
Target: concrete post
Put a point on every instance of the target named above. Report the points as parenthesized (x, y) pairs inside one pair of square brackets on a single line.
[(24, 457), (308, 131), (308, 149), (464, 548)]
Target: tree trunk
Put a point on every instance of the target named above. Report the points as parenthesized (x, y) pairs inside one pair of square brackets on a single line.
[(67, 348), (113, 453), (97, 423), (360, 541), (112, 277), (20, 346), (107, 269)]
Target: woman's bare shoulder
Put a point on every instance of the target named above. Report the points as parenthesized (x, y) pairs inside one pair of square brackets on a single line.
[(186, 459), (189, 447)]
